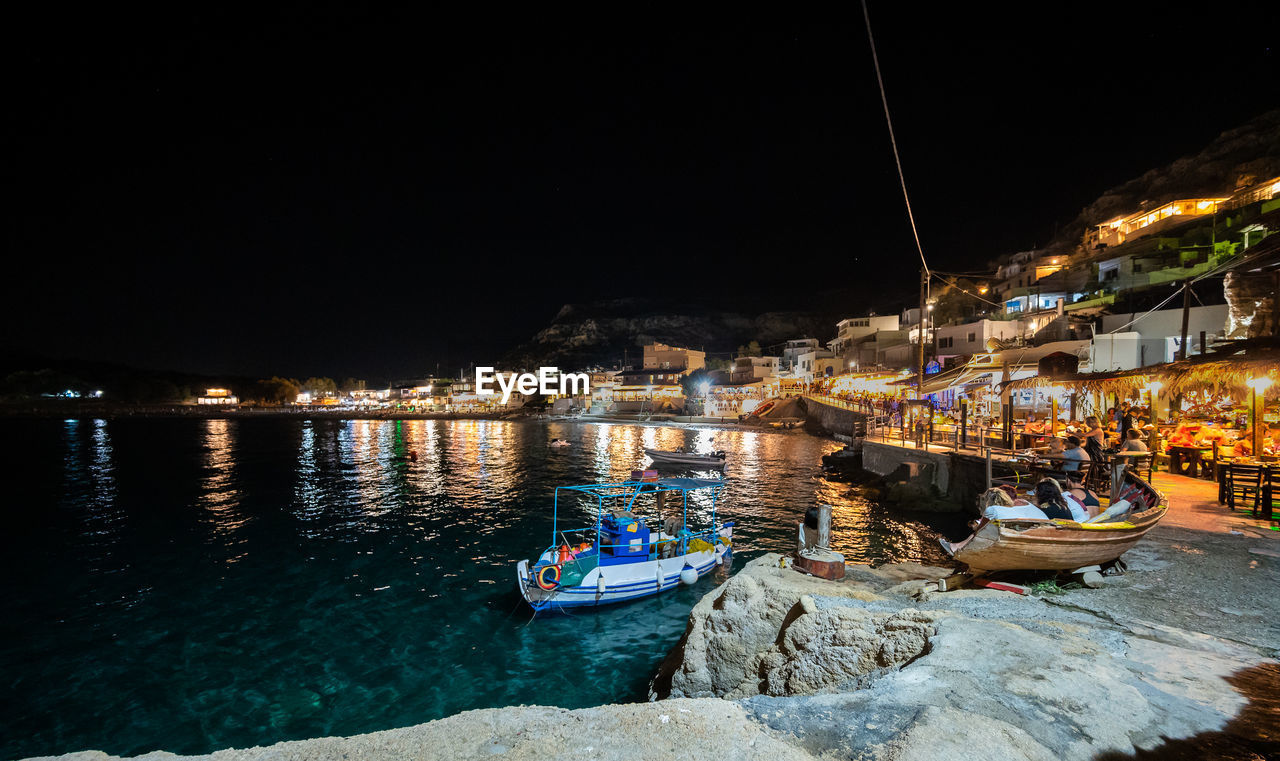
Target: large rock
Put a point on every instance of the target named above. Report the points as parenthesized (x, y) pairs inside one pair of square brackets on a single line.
[(878, 668)]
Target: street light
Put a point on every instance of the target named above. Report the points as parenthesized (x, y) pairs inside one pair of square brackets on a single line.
[(1154, 388), (1258, 389)]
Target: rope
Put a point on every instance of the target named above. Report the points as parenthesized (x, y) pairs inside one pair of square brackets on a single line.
[(893, 140)]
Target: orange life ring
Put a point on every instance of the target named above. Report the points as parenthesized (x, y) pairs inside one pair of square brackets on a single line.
[(542, 582)]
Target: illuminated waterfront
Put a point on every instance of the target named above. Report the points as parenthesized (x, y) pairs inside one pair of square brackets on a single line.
[(198, 584)]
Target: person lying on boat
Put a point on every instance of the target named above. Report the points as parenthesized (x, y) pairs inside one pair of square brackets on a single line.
[(1047, 502), (1086, 496)]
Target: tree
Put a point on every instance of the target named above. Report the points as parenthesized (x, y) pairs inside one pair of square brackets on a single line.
[(351, 384), (750, 350), (956, 302), (692, 384), (319, 386), (278, 390)]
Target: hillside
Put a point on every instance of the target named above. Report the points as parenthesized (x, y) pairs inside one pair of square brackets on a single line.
[(1237, 158), (598, 333)]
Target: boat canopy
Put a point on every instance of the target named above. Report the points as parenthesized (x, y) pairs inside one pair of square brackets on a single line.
[(623, 496)]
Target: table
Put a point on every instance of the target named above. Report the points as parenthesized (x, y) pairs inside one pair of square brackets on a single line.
[(1186, 461)]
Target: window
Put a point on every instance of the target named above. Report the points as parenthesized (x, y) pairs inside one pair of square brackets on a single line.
[(972, 337), (945, 343)]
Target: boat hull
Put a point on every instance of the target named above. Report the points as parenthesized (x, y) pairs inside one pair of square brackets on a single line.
[(1030, 545), (681, 458), (623, 583)]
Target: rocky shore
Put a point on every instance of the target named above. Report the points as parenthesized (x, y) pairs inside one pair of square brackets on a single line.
[(1175, 659)]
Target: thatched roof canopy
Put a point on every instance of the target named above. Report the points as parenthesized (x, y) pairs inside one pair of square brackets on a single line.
[(1123, 382), (1224, 371)]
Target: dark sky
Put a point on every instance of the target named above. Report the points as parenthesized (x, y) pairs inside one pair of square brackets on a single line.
[(370, 193)]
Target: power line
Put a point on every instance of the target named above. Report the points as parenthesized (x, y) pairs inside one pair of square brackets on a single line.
[(893, 140), (958, 288)]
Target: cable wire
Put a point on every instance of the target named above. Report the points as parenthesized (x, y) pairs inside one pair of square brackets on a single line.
[(893, 140)]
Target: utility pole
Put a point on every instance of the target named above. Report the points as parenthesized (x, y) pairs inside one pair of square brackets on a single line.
[(1186, 317), (924, 287)]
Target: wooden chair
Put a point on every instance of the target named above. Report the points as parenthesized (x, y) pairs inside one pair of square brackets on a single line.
[(1244, 485), (1098, 477), (1270, 482), (1144, 466)]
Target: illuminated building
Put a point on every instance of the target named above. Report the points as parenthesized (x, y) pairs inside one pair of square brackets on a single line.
[(217, 396)]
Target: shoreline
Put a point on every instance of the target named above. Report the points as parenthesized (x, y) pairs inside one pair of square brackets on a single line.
[(1171, 658), (197, 412)]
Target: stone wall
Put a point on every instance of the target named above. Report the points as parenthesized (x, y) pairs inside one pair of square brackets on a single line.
[(831, 418)]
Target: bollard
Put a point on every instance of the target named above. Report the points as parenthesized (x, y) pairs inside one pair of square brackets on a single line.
[(818, 559)]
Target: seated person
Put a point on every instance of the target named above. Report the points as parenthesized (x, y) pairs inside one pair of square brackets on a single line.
[(1073, 455), (1056, 447), (1033, 426), (1133, 442)]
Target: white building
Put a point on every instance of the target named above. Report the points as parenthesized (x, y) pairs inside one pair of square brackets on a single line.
[(751, 369), (972, 337), (1154, 337), (794, 349), (850, 330), (216, 396)]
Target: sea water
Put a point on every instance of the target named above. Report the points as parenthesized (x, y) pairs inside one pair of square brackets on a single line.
[(191, 585)]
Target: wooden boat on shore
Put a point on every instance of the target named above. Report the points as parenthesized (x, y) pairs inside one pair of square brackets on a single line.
[(708, 460), (1061, 545)]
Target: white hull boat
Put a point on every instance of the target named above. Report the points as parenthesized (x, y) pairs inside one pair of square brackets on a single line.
[(709, 460), (628, 558)]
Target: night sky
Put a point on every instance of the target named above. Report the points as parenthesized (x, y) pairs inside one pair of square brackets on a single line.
[(372, 193)]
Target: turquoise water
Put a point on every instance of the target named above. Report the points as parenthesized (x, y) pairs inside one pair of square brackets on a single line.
[(190, 585)]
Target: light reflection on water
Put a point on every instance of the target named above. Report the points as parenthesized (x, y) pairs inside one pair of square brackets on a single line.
[(290, 579)]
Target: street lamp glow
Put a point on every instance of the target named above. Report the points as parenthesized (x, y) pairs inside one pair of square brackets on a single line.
[(704, 387), (1259, 384)]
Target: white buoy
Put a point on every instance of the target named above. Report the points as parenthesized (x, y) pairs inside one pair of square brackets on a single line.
[(661, 578), (600, 584), (688, 575), (719, 556)]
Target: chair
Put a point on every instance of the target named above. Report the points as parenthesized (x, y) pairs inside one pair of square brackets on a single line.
[(1098, 477), (1270, 480), (1244, 485), (1142, 465)]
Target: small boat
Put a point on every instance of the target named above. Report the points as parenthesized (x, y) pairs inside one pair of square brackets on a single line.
[(1062, 545), (640, 545), (678, 457)]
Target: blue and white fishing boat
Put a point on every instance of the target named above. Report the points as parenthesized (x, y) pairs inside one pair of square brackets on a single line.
[(641, 543)]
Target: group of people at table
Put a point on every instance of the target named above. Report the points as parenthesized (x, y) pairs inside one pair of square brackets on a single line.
[(1087, 442)]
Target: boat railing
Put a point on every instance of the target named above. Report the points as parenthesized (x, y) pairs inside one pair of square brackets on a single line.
[(708, 535)]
